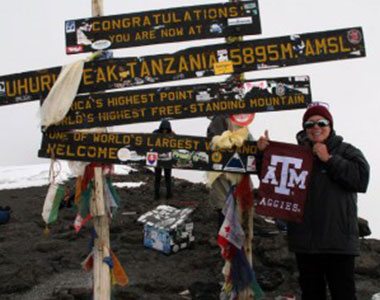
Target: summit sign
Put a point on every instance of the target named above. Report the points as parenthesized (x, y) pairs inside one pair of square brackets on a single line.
[(186, 101), (171, 151), (196, 62), (162, 26)]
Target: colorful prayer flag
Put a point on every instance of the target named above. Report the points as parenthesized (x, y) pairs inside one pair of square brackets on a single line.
[(53, 199)]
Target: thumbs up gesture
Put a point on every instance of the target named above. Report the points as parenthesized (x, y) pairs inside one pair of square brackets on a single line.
[(263, 141)]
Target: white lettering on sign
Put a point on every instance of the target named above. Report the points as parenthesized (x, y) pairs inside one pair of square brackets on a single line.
[(283, 205), (289, 177)]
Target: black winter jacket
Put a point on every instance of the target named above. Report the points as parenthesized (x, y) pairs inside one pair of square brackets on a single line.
[(330, 220)]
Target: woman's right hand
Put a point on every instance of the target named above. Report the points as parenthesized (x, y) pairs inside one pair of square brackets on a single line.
[(263, 141)]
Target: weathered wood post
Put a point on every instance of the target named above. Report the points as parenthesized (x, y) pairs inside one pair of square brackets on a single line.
[(97, 8), (102, 277)]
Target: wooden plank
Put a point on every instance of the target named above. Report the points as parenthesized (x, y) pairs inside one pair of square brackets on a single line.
[(162, 26), (190, 101), (196, 62), (168, 151)]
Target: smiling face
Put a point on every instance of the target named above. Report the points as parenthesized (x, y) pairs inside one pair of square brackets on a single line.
[(316, 133)]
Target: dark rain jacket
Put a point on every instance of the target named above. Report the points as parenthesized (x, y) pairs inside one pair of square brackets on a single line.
[(165, 127), (330, 217)]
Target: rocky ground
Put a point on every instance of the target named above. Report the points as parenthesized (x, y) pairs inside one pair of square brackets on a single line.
[(34, 265)]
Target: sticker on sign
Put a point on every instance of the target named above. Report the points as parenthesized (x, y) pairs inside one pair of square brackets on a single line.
[(123, 154), (152, 159), (242, 119), (240, 21), (101, 45), (74, 49)]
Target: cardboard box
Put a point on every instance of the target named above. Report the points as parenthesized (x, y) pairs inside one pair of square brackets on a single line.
[(167, 229)]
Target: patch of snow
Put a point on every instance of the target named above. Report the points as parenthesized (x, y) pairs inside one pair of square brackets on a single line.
[(128, 184), (16, 177)]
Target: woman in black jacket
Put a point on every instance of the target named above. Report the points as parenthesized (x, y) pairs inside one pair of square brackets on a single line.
[(327, 241)]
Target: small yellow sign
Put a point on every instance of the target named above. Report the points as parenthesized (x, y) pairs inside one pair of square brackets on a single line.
[(223, 67)]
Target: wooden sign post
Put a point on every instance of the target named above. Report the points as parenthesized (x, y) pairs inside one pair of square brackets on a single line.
[(102, 279), (97, 8), (101, 272)]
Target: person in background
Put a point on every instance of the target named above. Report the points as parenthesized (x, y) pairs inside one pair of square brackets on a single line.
[(327, 241), (164, 128)]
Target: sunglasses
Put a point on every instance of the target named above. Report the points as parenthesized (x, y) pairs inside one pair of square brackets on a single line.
[(319, 123)]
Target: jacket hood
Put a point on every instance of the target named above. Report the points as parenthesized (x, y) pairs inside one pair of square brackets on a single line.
[(165, 125)]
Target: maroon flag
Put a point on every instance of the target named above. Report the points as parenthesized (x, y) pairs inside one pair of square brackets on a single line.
[(285, 173)]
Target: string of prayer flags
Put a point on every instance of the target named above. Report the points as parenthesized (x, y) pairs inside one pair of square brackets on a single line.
[(237, 270), (231, 234)]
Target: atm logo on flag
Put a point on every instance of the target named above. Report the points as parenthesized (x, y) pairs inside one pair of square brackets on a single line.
[(291, 174)]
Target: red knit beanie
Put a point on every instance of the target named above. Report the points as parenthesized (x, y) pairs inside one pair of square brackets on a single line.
[(319, 110)]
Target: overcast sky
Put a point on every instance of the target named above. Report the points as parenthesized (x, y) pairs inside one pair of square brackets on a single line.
[(32, 38)]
